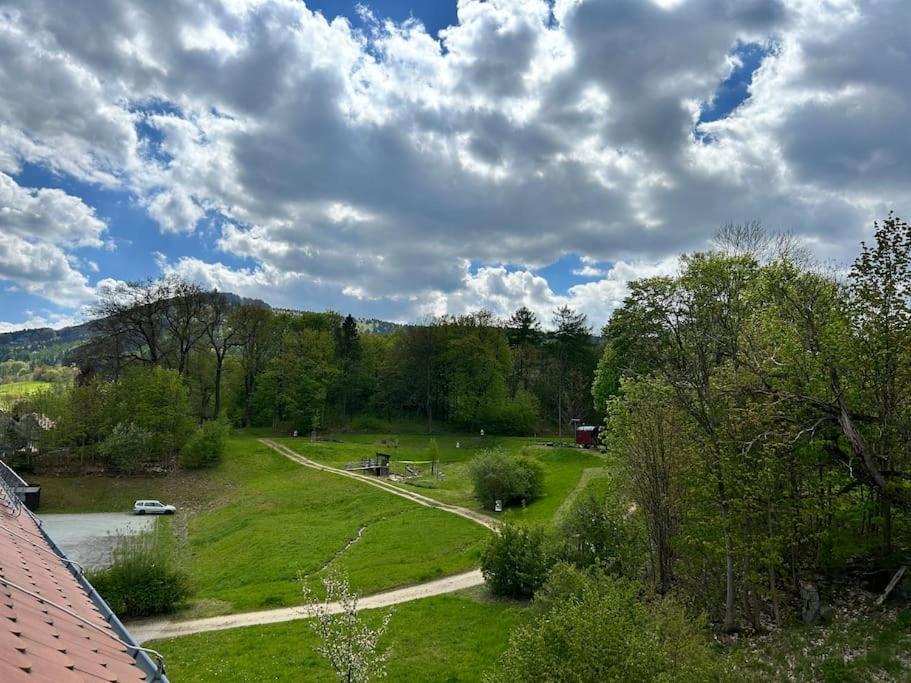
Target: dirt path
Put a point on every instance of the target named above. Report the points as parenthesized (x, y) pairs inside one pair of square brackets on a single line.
[(144, 631), (476, 517), (589, 474), (154, 630)]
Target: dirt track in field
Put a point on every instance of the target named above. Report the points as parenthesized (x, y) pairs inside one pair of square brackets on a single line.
[(154, 630)]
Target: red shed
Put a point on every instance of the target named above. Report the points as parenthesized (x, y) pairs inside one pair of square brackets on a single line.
[(587, 435)]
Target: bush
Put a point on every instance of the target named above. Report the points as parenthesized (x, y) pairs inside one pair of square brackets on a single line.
[(510, 479), (205, 446), (597, 629), (144, 579), (516, 561), (127, 447), (601, 529)]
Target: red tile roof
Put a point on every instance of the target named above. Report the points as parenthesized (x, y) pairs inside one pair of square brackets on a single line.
[(50, 628)]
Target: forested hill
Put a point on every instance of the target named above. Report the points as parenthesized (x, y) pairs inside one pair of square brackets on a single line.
[(50, 346), (364, 325), (43, 345)]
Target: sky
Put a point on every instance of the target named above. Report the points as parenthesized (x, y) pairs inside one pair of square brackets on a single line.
[(400, 159)]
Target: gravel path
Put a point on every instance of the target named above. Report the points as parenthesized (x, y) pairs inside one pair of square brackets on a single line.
[(89, 538), (145, 631), (476, 517)]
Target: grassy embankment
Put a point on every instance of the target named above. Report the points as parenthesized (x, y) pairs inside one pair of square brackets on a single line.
[(250, 526)]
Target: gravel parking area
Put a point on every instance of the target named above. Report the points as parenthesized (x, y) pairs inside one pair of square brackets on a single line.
[(88, 538)]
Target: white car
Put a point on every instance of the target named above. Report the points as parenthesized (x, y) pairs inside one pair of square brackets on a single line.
[(152, 507)]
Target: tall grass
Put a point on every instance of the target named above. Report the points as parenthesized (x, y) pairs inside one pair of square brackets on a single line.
[(144, 578)]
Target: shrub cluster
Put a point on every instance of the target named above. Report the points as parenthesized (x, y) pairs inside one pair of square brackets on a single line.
[(144, 579), (516, 416), (602, 528), (516, 561), (205, 446), (594, 627), (510, 479)]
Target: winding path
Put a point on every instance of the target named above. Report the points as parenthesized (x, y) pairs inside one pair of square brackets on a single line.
[(476, 517), (145, 631)]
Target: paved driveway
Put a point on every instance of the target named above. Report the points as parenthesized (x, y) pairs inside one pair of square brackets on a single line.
[(88, 538)]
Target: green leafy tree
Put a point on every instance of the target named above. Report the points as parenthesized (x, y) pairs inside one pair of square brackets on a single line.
[(154, 399), (652, 440), (350, 353), (525, 337), (257, 333), (572, 360), (516, 561), (222, 336), (293, 390), (510, 479)]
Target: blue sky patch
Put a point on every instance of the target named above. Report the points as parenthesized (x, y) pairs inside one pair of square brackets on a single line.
[(434, 14), (135, 234), (735, 89)]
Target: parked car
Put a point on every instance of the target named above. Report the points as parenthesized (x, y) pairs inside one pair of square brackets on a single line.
[(152, 507)]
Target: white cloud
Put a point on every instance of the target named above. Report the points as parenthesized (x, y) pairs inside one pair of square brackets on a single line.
[(44, 319), (39, 229), (502, 291), (370, 168), (42, 269), (48, 214), (175, 211)]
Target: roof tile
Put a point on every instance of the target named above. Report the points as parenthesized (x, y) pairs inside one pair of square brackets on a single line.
[(38, 640)]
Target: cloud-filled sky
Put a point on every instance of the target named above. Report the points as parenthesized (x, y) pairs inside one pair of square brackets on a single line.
[(403, 158)]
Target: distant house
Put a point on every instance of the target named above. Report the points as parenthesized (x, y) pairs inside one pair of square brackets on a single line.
[(55, 625), (587, 436), (33, 422), (26, 429)]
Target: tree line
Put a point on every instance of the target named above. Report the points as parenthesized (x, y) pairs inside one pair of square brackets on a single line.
[(304, 370), (760, 406), (214, 356)]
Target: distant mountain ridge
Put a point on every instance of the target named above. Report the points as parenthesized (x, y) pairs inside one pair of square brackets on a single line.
[(50, 346), (43, 344)]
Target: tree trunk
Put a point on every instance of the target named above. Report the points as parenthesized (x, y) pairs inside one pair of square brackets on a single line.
[(886, 512), (773, 583), (248, 400), (729, 625), (219, 360)]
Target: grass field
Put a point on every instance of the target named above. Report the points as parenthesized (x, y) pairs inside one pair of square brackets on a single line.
[(563, 467), (251, 525), (452, 638), (276, 519), (14, 391), (186, 490)]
